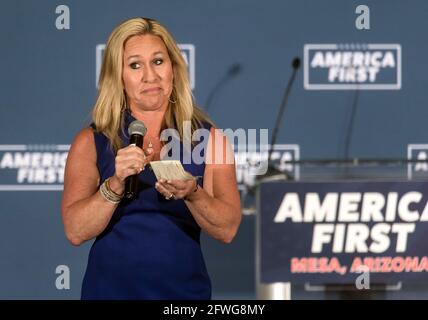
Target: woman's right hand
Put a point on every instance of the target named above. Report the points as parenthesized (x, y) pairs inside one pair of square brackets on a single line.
[(129, 161)]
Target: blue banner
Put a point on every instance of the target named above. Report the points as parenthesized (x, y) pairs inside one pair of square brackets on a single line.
[(330, 233)]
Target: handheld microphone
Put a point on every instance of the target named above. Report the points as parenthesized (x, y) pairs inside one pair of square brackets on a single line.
[(136, 131)]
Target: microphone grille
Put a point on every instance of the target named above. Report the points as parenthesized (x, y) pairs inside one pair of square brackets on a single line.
[(137, 127)]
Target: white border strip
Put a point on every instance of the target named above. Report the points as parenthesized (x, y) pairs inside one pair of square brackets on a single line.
[(191, 49), (13, 147), (98, 61), (43, 187), (27, 147)]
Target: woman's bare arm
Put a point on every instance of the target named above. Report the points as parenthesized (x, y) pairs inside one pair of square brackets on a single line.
[(85, 212)]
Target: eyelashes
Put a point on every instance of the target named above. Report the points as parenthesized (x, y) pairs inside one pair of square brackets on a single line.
[(158, 61), (136, 65)]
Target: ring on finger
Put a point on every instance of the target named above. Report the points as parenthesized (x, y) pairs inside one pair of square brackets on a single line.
[(171, 196)]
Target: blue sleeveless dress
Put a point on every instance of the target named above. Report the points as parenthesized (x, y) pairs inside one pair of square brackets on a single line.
[(151, 247)]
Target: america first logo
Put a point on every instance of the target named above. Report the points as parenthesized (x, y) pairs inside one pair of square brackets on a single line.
[(417, 168), (250, 164), (352, 66), (32, 167), (187, 51)]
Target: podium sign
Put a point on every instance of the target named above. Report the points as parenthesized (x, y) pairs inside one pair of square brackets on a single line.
[(331, 232)]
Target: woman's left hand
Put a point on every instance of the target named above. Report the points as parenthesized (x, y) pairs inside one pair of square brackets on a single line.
[(176, 189)]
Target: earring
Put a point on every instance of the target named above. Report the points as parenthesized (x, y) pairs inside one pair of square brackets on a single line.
[(172, 101)]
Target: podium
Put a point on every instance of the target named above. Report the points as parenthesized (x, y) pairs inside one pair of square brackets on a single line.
[(274, 290), (302, 228)]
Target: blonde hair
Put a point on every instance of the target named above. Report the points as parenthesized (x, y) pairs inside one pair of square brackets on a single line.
[(107, 113)]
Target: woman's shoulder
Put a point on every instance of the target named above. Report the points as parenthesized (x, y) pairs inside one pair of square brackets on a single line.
[(83, 145), (84, 138)]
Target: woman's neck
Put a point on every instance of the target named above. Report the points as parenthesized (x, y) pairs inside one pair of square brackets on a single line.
[(152, 119)]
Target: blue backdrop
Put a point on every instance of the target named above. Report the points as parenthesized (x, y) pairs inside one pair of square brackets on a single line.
[(47, 81)]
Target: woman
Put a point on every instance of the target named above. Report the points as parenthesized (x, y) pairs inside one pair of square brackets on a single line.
[(147, 248)]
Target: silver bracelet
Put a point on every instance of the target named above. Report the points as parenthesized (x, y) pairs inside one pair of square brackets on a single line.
[(109, 196)]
